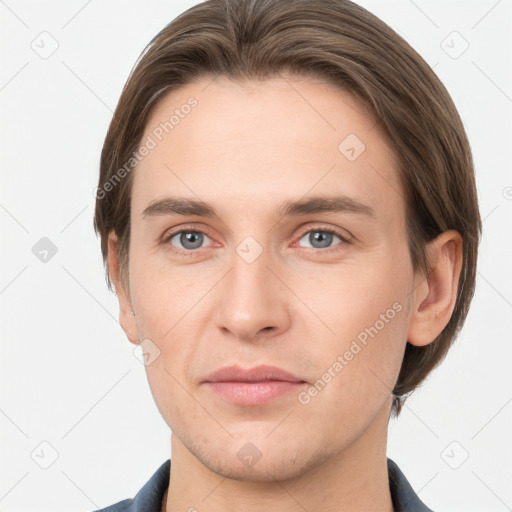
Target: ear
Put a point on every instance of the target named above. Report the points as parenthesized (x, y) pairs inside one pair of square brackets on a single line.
[(127, 318), (435, 294)]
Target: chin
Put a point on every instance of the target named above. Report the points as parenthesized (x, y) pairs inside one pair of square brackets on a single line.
[(263, 471), (261, 461)]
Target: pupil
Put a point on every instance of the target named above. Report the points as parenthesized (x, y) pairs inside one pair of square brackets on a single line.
[(193, 239), (320, 236)]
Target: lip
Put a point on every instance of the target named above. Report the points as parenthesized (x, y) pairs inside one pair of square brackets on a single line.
[(257, 374), (255, 386)]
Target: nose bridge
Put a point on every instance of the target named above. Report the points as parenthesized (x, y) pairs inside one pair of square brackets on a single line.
[(250, 275), (252, 300)]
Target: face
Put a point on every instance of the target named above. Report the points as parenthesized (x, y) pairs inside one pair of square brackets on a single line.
[(270, 274)]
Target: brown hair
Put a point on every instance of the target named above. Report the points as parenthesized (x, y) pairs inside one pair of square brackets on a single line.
[(340, 42)]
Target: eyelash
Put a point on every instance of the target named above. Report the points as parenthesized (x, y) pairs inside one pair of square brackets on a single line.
[(345, 239)]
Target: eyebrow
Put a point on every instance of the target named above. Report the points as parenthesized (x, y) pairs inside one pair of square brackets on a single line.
[(178, 206)]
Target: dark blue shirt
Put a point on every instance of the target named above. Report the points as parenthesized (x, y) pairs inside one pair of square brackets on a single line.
[(149, 498)]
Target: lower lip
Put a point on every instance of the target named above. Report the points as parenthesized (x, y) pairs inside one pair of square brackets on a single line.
[(254, 393)]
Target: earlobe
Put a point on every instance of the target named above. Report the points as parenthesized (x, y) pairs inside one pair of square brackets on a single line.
[(127, 318), (435, 295)]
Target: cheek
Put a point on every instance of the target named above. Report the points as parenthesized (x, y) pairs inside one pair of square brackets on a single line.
[(170, 313), (170, 397), (366, 309), (163, 296), (351, 297)]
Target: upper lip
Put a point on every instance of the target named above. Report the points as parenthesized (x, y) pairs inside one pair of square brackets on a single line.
[(257, 374)]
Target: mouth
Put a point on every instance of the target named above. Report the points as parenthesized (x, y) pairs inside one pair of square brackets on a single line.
[(256, 386)]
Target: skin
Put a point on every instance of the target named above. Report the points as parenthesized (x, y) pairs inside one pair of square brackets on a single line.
[(246, 149)]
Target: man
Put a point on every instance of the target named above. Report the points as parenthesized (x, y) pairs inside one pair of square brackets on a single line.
[(288, 214)]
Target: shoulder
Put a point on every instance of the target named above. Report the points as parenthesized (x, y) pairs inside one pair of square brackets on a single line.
[(149, 498), (117, 507)]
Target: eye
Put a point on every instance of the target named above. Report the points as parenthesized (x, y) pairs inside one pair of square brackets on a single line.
[(189, 240), (322, 238)]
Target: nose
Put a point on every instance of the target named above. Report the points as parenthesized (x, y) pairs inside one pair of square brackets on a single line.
[(254, 302)]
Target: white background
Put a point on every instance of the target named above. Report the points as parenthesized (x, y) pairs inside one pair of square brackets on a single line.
[(68, 374)]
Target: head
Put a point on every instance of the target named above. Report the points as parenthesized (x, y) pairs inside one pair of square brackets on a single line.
[(247, 107)]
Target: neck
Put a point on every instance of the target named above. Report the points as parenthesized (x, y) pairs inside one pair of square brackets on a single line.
[(355, 480)]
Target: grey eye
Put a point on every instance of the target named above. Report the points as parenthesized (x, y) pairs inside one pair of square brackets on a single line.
[(319, 239), (189, 239)]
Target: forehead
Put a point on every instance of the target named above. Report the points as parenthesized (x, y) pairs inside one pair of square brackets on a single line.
[(254, 142)]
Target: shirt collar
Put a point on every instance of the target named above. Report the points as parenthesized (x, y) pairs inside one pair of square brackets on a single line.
[(149, 498)]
